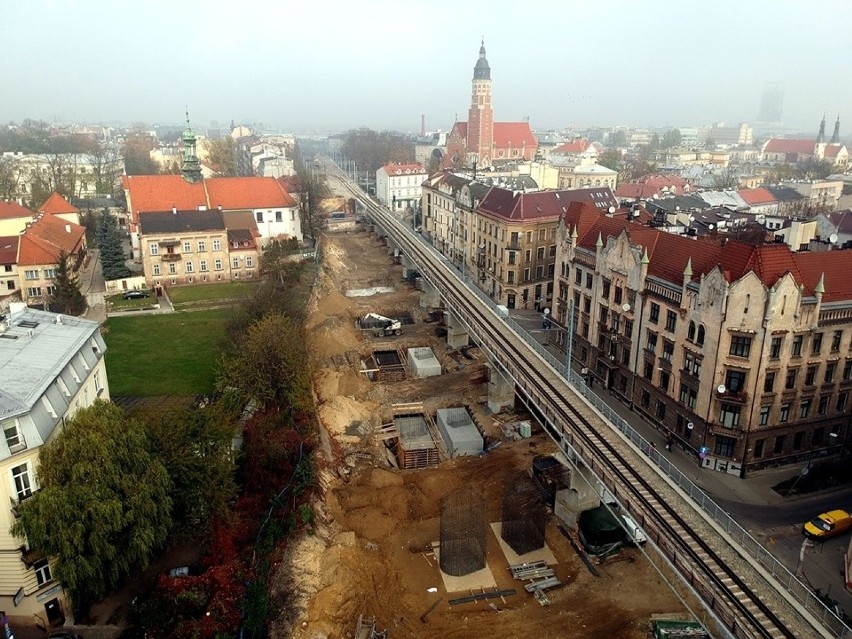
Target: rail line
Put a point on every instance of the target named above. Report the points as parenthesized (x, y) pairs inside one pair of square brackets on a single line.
[(570, 423)]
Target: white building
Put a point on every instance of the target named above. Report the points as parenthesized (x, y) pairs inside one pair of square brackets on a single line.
[(398, 185), (50, 367)]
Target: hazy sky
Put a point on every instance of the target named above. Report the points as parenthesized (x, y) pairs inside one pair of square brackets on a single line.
[(332, 65)]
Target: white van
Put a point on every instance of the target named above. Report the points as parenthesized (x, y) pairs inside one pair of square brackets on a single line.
[(633, 531)]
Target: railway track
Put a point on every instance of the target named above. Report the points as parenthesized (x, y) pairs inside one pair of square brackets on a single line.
[(578, 429)]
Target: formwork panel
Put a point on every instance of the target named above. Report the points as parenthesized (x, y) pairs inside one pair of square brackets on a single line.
[(523, 516), (463, 531), (416, 447)]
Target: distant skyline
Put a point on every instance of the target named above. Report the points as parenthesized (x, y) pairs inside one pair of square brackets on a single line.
[(331, 66)]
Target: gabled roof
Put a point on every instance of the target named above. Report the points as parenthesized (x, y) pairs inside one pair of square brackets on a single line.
[(834, 265), (785, 194), (833, 150), (191, 221), (12, 210), (8, 249), (652, 186), (573, 147), (46, 238), (412, 168), (513, 134), (789, 145), (246, 193), (841, 220), (755, 197), (241, 239), (57, 204), (240, 220), (516, 206)]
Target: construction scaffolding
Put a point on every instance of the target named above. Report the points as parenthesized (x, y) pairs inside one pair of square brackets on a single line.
[(463, 530), (523, 516)]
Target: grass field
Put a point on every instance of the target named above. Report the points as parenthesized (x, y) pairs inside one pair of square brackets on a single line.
[(169, 354), (210, 292), (118, 303)]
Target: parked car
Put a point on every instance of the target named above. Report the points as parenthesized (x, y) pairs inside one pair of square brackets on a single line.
[(136, 294), (637, 536), (192, 570), (830, 524)]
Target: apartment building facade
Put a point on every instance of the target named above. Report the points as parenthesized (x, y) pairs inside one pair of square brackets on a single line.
[(51, 366), (743, 352)]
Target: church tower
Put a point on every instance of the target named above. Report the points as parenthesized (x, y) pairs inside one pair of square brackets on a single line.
[(835, 137), (480, 119), (190, 169), (821, 137)]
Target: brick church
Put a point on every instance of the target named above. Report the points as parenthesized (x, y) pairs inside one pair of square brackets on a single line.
[(482, 141)]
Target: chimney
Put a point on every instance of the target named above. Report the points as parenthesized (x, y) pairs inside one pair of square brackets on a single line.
[(67, 228), (174, 210)]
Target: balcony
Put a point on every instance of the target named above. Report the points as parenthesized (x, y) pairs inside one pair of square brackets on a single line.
[(514, 245), (171, 257), (737, 397)]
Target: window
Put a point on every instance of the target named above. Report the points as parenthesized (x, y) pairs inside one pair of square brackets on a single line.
[(763, 418), (668, 350), (769, 382), (172, 268), (202, 246), (22, 482), (217, 245), (14, 437), (725, 446), (804, 408), (31, 274), (775, 348), (155, 269), (835, 341), (539, 272), (41, 568), (49, 273), (729, 416), (589, 280), (810, 374), (51, 289), (816, 344), (189, 267), (578, 277), (605, 291), (645, 400), (217, 264), (628, 330), (735, 381), (661, 409), (604, 314), (740, 346), (539, 253), (587, 304), (552, 251), (278, 217), (841, 401), (779, 445), (692, 364), (652, 341), (648, 370), (34, 291), (822, 407), (796, 348), (187, 247), (202, 265), (526, 275), (258, 216), (819, 433), (619, 292), (847, 370), (688, 396), (829, 372), (510, 276), (98, 385), (655, 313), (700, 340), (690, 332), (235, 262), (671, 321), (664, 380), (790, 380), (784, 413), (155, 249), (758, 448)]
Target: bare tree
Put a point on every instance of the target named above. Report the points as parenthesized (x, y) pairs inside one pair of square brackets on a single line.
[(727, 178)]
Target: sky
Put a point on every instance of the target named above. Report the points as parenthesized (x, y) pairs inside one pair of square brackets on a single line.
[(327, 66)]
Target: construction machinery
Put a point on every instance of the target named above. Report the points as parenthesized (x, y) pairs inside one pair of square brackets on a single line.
[(380, 325)]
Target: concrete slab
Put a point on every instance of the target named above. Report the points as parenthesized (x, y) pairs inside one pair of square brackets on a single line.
[(544, 554), (473, 581)]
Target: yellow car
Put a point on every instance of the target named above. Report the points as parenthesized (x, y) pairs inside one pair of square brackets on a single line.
[(834, 522)]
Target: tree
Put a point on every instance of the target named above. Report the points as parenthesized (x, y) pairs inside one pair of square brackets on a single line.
[(195, 448), (108, 239), (371, 150), (670, 139), (137, 152), (104, 504), (222, 155), (618, 138), (813, 169), (268, 365), (727, 178), (66, 297), (9, 177), (611, 159)]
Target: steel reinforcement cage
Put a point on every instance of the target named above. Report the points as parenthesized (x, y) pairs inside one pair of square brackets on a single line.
[(523, 516), (463, 530)]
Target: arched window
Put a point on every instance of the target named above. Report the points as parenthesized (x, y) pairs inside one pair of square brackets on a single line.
[(700, 340), (690, 333)]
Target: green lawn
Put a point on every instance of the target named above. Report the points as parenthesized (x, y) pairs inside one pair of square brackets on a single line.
[(208, 292), (118, 303), (169, 354)]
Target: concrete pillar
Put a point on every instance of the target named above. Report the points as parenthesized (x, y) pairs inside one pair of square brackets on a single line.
[(408, 267), (429, 295), (501, 390), (457, 336)]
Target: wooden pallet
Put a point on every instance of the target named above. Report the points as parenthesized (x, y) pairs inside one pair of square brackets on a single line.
[(420, 458)]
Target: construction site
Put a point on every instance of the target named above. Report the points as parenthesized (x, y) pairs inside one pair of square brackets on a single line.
[(428, 522)]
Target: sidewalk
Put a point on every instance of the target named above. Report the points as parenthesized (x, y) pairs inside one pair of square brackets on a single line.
[(755, 489)]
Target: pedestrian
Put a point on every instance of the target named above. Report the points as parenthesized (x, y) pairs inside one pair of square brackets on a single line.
[(652, 448), (669, 441)]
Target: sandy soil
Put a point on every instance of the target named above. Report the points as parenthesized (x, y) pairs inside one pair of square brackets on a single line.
[(374, 522)]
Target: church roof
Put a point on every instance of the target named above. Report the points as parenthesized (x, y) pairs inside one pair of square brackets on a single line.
[(513, 134), (789, 145)]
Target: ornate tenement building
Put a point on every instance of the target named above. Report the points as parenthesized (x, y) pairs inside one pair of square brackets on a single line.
[(743, 352)]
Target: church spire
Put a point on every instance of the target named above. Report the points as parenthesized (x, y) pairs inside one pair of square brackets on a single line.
[(835, 137), (821, 137), (190, 169), (482, 71)]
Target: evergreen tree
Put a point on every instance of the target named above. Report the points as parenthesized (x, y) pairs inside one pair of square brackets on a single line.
[(108, 238), (66, 297)]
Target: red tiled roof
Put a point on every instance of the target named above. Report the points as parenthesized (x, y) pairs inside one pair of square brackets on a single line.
[(575, 146), (403, 169), (461, 127), (11, 210), (57, 204), (246, 193), (512, 134), (789, 145), (9, 249), (833, 150), (44, 240), (835, 265), (518, 206), (652, 185), (290, 183), (757, 196)]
